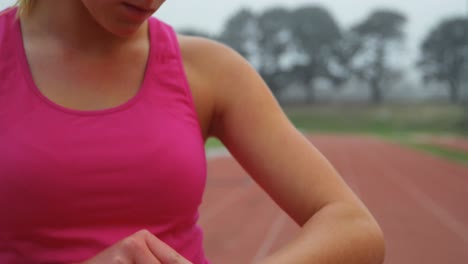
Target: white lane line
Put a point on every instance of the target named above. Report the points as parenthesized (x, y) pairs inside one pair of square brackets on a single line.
[(442, 215), (270, 237)]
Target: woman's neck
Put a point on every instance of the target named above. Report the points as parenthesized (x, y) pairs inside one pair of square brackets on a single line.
[(70, 24)]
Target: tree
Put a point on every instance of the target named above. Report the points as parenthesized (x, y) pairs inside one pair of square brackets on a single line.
[(285, 45), (444, 54), (314, 32), (195, 32), (240, 33), (343, 54), (260, 38), (378, 34), (273, 41)]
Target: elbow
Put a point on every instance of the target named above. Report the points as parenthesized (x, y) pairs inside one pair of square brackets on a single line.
[(366, 238), (374, 244), (370, 240), (358, 236), (379, 245), (367, 242)]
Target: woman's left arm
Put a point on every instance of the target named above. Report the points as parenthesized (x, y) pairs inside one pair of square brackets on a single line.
[(336, 226)]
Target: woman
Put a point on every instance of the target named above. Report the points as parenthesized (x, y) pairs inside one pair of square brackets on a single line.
[(103, 115)]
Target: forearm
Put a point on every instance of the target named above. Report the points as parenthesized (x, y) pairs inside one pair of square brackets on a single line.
[(338, 233)]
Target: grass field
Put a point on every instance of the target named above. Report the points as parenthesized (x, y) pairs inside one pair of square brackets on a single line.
[(384, 120), (399, 123), (447, 153)]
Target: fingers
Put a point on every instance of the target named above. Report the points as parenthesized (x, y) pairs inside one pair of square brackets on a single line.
[(139, 248), (130, 250), (163, 252), (137, 251)]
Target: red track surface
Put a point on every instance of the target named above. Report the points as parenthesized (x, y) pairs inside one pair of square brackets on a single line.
[(419, 201)]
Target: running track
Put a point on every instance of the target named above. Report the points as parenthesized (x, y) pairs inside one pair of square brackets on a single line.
[(420, 202)]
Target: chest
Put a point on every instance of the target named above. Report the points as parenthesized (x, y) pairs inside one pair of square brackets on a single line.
[(87, 81), (94, 83), (129, 166)]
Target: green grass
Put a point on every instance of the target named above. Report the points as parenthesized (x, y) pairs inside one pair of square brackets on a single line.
[(378, 120), (443, 152), (397, 123), (213, 143)]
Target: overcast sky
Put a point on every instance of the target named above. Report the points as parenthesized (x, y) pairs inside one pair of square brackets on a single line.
[(210, 15), (422, 15)]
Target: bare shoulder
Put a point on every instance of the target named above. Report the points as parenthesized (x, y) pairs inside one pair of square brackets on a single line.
[(212, 58), (198, 47), (215, 72)]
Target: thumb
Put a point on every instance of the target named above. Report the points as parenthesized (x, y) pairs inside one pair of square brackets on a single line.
[(164, 252)]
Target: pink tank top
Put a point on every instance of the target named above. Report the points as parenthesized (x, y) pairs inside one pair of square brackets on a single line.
[(74, 182)]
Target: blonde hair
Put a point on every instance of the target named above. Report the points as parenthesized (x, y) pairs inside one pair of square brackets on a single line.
[(24, 6)]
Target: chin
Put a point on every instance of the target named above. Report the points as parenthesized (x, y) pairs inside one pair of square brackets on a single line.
[(124, 31)]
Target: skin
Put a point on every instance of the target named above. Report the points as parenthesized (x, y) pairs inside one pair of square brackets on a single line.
[(232, 103)]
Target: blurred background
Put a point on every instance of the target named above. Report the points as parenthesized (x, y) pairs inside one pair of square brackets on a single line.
[(397, 68), (380, 87)]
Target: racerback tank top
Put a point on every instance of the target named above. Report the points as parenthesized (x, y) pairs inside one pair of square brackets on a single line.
[(75, 182)]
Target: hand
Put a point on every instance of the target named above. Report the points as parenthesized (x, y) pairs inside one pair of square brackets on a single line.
[(139, 248)]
